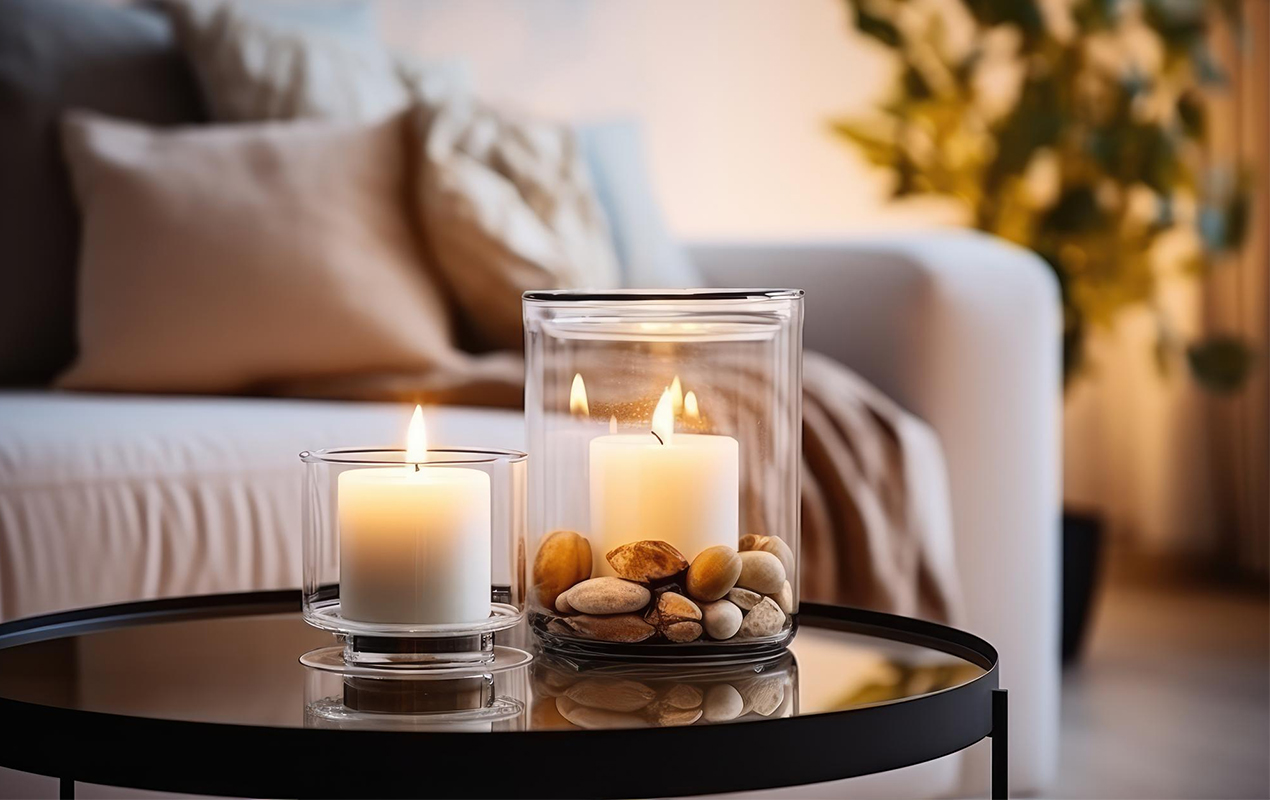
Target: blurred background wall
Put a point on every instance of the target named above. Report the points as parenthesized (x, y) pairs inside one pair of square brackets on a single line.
[(736, 98)]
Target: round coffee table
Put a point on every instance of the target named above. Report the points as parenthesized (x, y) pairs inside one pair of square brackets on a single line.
[(206, 695)]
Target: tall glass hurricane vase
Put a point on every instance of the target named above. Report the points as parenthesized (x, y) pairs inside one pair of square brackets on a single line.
[(664, 432)]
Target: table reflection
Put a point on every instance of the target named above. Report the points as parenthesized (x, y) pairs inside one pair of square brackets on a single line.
[(569, 694)]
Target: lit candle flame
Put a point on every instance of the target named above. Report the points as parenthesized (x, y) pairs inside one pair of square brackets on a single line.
[(691, 411), (664, 418), (677, 396), (577, 398), (416, 439), (613, 424)]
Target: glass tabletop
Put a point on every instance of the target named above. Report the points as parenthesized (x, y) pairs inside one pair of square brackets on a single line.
[(246, 670)]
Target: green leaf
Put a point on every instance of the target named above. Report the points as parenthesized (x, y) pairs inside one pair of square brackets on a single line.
[(875, 145), (1190, 110), (1034, 123), (1237, 213), (1026, 14), (915, 86), (876, 27), (1076, 211), (1220, 363)]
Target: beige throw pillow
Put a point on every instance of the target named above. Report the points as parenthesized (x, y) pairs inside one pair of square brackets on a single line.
[(221, 259), (507, 206), (255, 61)]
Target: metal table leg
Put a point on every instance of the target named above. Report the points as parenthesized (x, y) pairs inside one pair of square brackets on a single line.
[(1000, 744)]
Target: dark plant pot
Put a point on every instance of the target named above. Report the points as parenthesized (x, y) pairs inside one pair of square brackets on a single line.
[(1082, 562)]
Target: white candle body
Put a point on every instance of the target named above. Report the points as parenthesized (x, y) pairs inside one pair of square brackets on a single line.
[(414, 545), (685, 493)]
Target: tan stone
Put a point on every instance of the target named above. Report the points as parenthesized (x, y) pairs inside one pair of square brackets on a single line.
[(744, 599), (607, 596), (713, 572), (770, 544), (564, 559), (647, 560), (722, 618), (761, 572), (765, 619), (625, 628)]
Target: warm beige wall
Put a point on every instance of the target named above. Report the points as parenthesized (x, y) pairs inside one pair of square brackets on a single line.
[(734, 96)]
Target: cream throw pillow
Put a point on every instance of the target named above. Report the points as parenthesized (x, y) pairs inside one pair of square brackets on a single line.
[(507, 206), (223, 259)]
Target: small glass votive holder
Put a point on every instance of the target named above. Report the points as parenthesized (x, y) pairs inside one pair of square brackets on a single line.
[(414, 562)]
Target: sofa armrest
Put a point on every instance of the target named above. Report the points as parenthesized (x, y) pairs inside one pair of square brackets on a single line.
[(963, 330)]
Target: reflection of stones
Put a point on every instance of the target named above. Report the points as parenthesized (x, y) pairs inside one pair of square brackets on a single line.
[(723, 703), (611, 694), (388, 696), (589, 718), (591, 695), (762, 695)]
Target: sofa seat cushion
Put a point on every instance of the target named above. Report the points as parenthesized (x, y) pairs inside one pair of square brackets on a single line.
[(109, 498)]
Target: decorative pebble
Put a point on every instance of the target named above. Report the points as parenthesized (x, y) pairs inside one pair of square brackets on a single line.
[(722, 618), (647, 560), (564, 559), (765, 619), (761, 572), (771, 544), (625, 628), (713, 572), (675, 617), (744, 598), (785, 598), (607, 596)]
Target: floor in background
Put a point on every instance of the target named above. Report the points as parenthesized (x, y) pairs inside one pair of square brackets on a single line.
[(1172, 696)]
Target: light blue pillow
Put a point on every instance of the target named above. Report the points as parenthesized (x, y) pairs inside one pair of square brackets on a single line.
[(648, 253)]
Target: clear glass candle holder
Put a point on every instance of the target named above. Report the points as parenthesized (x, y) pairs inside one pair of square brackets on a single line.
[(664, 432), (414, 561)]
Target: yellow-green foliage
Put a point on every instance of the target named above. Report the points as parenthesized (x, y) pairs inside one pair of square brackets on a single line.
[(1093, 159)]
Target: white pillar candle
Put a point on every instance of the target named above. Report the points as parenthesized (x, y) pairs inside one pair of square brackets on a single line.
[(414, 541), (682, 489)]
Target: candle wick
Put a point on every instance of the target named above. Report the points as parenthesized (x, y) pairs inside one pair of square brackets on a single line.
[(659, 439), (416, 466)]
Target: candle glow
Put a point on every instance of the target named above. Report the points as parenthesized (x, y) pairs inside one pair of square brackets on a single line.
[(577, 397)]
